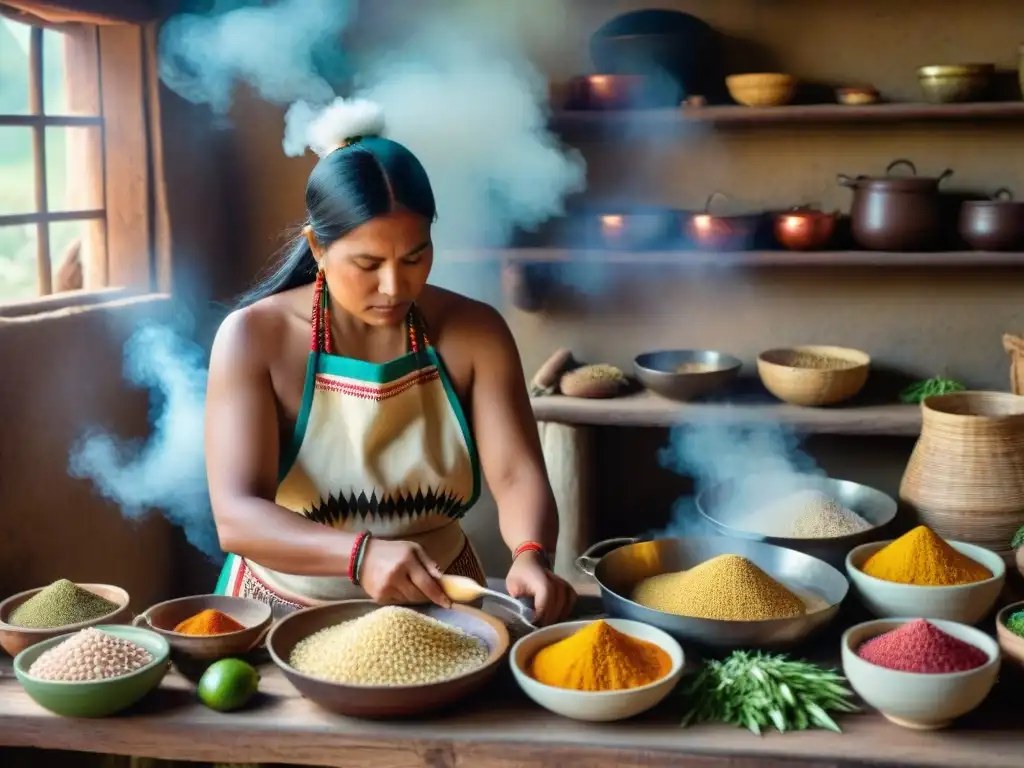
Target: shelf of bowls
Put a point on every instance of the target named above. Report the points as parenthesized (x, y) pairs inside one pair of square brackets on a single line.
[(747, 603)]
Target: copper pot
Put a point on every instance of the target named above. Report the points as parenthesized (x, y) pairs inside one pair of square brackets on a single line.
[(804, 229), (722, 233), (993, 225), (616, 92), (892, 213)]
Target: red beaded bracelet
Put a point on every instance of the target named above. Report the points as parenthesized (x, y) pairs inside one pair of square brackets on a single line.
[(353, 558), (530, 546)]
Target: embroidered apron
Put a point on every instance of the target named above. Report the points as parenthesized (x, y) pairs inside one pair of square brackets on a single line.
[(384, 447)]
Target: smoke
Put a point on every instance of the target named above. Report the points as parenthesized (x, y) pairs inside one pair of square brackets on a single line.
[(280, 50), (459, 93), (167, 471), (762, 463)]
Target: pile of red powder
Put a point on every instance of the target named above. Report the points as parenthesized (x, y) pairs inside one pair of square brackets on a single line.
[(920, 646)]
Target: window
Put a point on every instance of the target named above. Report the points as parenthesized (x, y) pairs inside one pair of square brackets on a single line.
[(53, 219)]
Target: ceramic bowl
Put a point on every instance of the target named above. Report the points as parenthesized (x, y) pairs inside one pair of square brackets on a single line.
[(595, 706), (1012, 645), (913, 700), (372, 701), (15, 639), (95, 698), (799, 385), (762, 89), (966, 603), (192, 654)]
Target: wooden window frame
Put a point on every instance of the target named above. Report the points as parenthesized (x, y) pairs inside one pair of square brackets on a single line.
[(119, 84)]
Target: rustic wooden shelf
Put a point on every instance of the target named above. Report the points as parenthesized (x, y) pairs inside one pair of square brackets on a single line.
[(745, 258), (650, 410), (642, 120)]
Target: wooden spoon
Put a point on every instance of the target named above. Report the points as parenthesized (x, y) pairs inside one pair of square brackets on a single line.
[(461, 589)]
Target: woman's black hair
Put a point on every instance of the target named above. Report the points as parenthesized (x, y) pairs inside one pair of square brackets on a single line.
[(368, 178)]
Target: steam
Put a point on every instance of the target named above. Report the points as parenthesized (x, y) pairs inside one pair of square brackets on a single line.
[(764, 463), (273, 48), (167, 471)]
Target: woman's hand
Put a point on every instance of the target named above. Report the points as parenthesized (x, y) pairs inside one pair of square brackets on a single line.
[(400, 572), (553, 597)]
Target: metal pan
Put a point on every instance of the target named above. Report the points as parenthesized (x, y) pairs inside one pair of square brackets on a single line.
[(626, 562), (723, 505)]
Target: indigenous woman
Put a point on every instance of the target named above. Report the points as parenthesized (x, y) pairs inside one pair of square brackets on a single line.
[(352, 408)]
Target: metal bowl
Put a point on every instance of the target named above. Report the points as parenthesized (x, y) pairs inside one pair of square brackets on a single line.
[(953, 83), (725, 504), (659, 372), (631, 560)]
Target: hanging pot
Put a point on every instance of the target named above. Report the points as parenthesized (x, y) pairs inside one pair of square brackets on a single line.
[(965, 477), (893, 213), (993, 225)]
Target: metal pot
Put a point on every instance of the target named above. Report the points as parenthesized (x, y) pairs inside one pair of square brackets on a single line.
[(617, 92), (895, 213), (726, 505), (804, 229), (723, 233), (993, 225), (626, 562)]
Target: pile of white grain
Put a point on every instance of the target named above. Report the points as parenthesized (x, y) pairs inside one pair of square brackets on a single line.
[(390, 646), (90, 654), (807, 514)]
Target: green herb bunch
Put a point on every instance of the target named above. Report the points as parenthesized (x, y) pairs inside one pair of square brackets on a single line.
[(1018, 539), (918, 391), (758, 690)]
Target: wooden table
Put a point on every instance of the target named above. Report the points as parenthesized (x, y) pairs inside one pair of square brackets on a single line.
[(500, 730)]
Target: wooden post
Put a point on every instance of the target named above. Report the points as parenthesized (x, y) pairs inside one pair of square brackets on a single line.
[(567, 455)]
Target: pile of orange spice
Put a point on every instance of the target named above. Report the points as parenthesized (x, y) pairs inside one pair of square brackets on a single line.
[(208, 622), (600, 658)]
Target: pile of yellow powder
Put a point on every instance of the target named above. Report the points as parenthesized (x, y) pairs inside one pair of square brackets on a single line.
[(921, 557), (727, 587)]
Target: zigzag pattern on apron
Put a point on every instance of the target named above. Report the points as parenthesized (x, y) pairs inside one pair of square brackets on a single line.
[(339, 509)]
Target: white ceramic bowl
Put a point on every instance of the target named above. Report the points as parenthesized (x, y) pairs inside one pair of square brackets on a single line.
[(596, 706), (913, 700), (966, 603)]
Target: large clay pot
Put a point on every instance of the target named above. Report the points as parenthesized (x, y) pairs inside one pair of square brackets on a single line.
[(965, 477), (896, 213)]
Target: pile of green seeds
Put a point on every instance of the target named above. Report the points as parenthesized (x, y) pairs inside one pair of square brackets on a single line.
[(1015, 623), (58, 605)]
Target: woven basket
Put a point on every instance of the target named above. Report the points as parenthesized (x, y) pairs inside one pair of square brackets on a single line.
[(965, 477), (813, 386)]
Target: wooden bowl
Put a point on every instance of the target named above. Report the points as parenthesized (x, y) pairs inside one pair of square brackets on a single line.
[(163, 617), (768, 89), (801, 385), (15, 639), (393, 700)]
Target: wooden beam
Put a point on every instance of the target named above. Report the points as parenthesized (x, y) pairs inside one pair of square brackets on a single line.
[(19, 219), (36, 106), (650, 410), (129, 245)]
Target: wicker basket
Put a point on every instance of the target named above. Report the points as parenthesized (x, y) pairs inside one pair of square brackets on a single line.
[(965, 477), (813, 386)]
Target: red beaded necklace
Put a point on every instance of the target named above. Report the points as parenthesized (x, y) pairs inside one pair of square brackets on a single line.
[(321, 326)]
